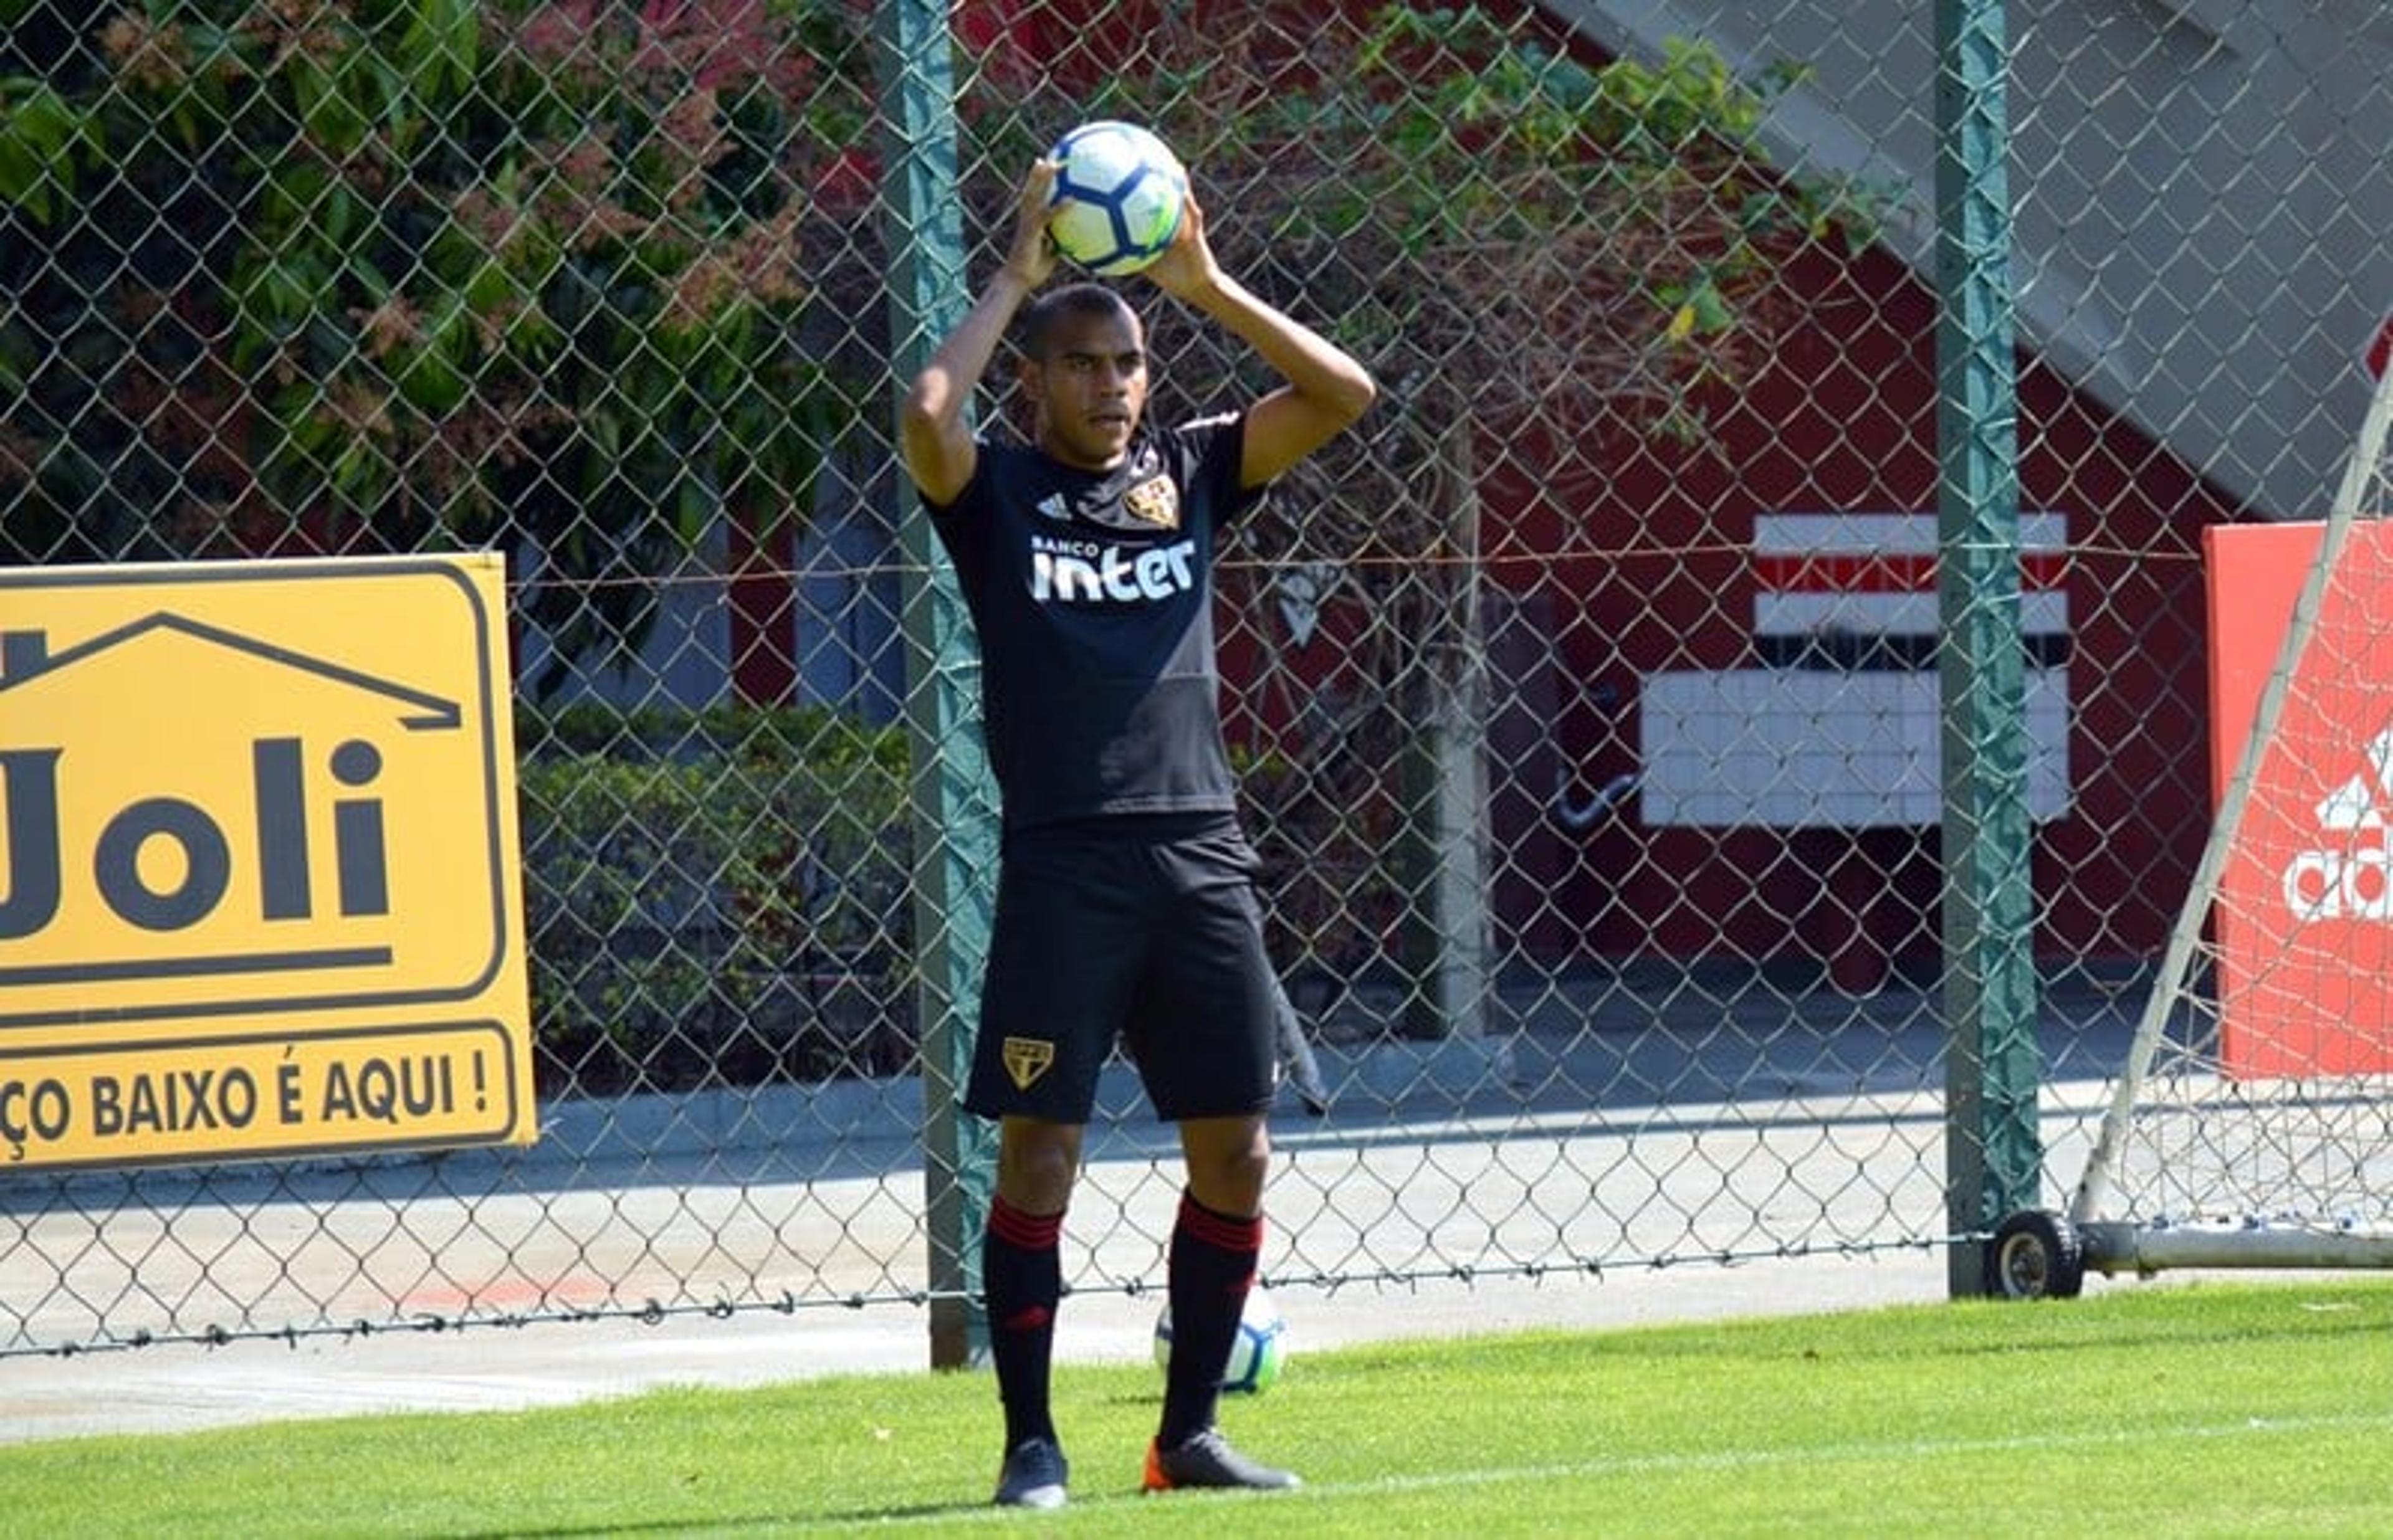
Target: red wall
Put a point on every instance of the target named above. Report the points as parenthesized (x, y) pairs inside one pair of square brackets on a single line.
[(1843, 418)]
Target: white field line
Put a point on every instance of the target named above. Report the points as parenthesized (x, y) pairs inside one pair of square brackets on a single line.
[(1805, 1456)]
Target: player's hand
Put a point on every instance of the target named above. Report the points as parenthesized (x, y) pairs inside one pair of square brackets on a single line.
[(1186, 269), (1032, 256)]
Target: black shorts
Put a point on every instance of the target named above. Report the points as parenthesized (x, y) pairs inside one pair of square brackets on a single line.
[(1144, 929)]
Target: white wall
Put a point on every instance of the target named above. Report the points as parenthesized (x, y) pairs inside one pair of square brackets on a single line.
[(2202, 190)]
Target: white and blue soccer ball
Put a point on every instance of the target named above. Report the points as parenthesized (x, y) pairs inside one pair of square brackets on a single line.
[(1257, 1354), (1117, 197)]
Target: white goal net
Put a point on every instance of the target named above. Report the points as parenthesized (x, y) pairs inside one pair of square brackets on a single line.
[(2252, 1124)]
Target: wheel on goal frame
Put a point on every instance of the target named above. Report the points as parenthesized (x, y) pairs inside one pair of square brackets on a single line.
[(2035, 1255)]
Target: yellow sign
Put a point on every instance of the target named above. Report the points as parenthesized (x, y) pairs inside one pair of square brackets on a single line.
[(258, 849)]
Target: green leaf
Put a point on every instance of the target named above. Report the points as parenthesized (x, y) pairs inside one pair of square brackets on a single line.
[(1713, 314), (694, 506), (442, 45), (431, 377), (39, 132)]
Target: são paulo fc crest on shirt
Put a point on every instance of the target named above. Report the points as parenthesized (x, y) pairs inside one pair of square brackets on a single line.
[(1154, 501), (1140, 496)]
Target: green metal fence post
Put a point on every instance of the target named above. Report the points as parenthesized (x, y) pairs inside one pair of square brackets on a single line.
[(954, 801), (1993, 1155)]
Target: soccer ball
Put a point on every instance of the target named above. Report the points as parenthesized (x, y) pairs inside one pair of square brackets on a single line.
[(1257, 1354), (1117, 197)]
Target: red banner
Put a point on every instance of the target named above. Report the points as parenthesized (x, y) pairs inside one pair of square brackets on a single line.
[(2305, 909)]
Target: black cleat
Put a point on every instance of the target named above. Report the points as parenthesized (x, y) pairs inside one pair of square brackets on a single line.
[(1033, 1475), (1207, 1460)]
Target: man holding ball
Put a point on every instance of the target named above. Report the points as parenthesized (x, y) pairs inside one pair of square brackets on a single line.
[(1125, 907)]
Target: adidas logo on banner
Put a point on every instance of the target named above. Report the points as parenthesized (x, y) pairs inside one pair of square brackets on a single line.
[(2355, 882)]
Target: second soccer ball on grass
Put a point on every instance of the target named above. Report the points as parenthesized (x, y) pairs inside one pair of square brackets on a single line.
[(1257, 1354)]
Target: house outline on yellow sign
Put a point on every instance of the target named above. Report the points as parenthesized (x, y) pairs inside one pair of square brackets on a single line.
[(31, 668)]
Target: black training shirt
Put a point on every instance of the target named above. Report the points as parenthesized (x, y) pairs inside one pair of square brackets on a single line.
[(1092, 592)]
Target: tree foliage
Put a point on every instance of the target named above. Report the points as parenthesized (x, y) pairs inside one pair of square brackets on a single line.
[(1478, 208), (371, 275), (578, 277)]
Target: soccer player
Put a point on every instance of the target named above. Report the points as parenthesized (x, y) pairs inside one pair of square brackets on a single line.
[(1125, 904)]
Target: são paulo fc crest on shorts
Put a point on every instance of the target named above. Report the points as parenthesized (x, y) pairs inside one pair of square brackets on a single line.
[(1026, 1059)]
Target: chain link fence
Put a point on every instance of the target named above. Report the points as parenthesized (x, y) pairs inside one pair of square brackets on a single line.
[(1587, 696)]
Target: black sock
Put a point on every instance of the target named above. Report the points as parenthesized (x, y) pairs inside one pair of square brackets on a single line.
[(1021, 1279), (1210, 1268)]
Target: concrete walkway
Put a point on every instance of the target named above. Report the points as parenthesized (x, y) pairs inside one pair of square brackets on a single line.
[(178, 1387), (1776, 1134)]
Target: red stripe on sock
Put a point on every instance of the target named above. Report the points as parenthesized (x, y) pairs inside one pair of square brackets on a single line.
[(1219, 1230), (1030, 1232)]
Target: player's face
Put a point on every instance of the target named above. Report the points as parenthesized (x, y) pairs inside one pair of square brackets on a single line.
[(1088, 388)]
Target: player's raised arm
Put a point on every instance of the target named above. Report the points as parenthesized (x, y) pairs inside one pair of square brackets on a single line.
[(1327, 391), (935, 436)]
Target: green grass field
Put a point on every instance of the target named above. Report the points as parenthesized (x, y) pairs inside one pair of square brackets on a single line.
[(2195, 1408)]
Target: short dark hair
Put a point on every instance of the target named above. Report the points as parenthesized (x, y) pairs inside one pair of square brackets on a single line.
[(1039, 317)]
